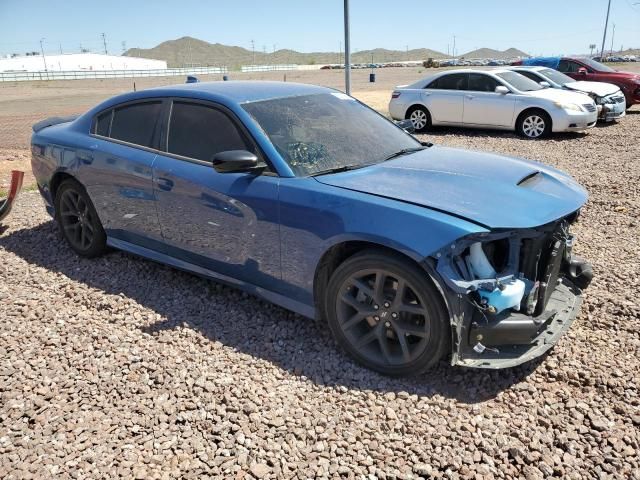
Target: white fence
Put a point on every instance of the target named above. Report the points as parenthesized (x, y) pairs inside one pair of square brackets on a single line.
[(82, 74)]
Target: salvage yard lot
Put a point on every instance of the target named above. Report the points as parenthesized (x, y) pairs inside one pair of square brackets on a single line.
[(118, 366)]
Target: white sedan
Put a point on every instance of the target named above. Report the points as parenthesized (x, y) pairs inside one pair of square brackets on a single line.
[(496, 98)]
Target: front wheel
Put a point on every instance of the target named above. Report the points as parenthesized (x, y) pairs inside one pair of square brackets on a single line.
[(534, 124), (78, 220), (386, 313)]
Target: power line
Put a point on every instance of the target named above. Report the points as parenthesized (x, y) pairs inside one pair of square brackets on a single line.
[(104, 42)]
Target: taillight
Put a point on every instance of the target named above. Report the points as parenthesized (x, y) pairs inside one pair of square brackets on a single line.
[(395, 94)]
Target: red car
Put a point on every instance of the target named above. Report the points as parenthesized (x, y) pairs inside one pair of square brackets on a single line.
[(587, 69)]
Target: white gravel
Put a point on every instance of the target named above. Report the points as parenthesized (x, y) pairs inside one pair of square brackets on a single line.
[(118, 367)]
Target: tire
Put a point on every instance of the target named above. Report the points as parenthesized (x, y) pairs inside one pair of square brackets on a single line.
[(534, 123), (420, 117), (78, 220), (391, 334)]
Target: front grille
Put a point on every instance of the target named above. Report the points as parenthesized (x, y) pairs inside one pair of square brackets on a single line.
[(589, 107)]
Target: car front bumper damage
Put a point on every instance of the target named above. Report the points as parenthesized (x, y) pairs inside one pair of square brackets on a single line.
[(484, 337)]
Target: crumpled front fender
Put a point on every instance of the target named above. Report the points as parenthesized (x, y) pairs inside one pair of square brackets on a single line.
[(14, 188)]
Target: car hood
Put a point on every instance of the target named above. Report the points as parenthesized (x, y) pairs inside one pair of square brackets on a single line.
[(621, 75), (601, 89), (559, 95), (491, 190)]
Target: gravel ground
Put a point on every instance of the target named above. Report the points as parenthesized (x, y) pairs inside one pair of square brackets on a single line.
[(105, 374)]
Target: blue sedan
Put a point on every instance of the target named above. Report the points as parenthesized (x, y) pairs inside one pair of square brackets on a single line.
[(306, 197)]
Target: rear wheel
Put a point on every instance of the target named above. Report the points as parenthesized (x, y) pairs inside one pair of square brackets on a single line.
[(78, 220), (386, 313), (420, 117), (534, 123)]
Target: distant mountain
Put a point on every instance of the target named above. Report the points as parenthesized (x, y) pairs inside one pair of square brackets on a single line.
[(496, 54), (191, 51)]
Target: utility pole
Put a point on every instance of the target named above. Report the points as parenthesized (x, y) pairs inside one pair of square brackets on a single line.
[(104, 42), (253, 50), (613, 34), (604, 35), (43, 57), (347, 50), (124, 46), (454, 45), (60, 48)]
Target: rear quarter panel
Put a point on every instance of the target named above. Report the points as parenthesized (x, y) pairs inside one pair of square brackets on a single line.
[(55, 149)]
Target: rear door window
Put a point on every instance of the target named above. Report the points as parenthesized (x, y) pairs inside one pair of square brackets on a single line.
[(531, 76), (136, 123), (567, 66), (481, 83), (199, 131), (454, 81)]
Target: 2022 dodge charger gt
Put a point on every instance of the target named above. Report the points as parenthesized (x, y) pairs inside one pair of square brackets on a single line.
[(308, 198)]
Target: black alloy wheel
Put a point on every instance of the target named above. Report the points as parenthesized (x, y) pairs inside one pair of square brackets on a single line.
[(387, 314), (78, 220)]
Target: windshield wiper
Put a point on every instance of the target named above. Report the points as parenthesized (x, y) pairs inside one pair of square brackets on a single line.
[(404, 151), (343, 168)]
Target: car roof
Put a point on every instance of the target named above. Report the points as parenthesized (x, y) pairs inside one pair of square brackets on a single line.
[(241, 91), (491, 70), (534, 68)]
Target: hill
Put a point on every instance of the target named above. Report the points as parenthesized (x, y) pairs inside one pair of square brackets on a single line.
[(496, 54), (191, 51)]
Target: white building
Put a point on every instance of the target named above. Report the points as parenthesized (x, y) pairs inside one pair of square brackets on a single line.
[(78, 62)]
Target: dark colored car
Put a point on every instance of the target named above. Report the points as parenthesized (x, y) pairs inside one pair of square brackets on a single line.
[(308, 198), (581, 68)]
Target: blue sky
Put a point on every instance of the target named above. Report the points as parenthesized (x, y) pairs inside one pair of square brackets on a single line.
[(541, 27)]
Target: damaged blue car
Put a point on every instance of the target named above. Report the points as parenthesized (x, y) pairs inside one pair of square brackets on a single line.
[(407, 251)]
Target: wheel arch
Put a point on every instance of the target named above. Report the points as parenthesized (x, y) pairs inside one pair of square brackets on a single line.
[(339, 252), (531, 109), (415, 106), (56, 180)]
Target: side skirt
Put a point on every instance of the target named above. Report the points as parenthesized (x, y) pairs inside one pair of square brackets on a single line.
[(276, 298)]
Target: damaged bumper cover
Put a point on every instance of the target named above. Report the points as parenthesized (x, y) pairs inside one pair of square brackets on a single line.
[(518, 338), (14, 188), (486, 336)]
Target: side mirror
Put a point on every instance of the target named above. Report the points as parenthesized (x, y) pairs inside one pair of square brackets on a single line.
[(502, 90), (545, 84), (234, 161), (406, 125), (582, 71)]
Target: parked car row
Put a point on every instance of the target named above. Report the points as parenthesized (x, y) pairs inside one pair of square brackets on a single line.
[(580, 68), (472, 62), (618, 58), (532, 100)]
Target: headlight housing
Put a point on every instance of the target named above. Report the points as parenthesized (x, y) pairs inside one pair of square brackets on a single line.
[(570, 107)]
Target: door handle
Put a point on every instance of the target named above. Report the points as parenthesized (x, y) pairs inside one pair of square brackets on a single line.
[(470, 97), (164, 184)]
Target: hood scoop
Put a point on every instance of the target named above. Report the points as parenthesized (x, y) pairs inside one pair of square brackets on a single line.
[(530, 179)]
